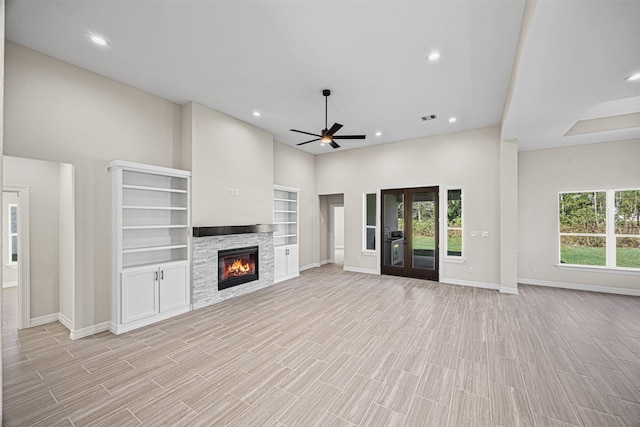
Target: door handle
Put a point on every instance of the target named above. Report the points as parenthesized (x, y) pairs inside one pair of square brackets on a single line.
[(161, 274), (156, 276)]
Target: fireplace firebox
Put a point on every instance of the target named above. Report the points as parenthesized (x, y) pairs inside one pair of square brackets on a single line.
[(237, 266)]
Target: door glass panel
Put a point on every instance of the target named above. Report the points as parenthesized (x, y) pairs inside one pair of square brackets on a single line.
[(394, 230), (423, 228)]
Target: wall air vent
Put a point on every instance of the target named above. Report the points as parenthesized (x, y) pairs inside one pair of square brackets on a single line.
[(429, 117)]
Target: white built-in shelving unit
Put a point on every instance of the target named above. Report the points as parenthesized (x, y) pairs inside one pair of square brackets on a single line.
[(151, 244), (285, 236)]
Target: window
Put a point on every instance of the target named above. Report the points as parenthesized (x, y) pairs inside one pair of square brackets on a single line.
[(12, 217), (627, 228), (369, 213), (600, 228), (454, 222)]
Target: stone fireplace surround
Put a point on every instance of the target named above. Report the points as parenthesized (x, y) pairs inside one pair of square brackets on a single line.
[(207, 241)]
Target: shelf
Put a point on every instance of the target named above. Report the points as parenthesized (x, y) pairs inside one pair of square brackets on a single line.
[(166, 208), (166, 190), (153, 248), (284, 211), (285, 200), (146, 227), (284, 236)]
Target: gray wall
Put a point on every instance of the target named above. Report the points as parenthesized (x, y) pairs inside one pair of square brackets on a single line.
[(42, 178), (227, 153), (61, 113), (468, 160), (296, 168), (542, 175)]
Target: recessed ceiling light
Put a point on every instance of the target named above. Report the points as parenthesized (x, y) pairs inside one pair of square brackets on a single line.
[(256, 113), (99, 40), (378, 133), (452, 119), (633, 77), (433, 56)]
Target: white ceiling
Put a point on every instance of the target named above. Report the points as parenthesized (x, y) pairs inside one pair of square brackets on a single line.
[(277, 56)]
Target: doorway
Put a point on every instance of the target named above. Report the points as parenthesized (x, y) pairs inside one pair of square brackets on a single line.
[(410, 232)]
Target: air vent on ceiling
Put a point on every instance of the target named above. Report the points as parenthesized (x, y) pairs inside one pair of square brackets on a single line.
[(429, 117)]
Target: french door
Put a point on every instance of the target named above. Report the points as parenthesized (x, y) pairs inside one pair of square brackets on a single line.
[(410, 232)]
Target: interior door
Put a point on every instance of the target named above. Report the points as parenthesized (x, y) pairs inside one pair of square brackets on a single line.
[(410, 232)]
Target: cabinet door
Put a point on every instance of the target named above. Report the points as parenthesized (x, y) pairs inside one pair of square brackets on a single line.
[(139, 294), (174, 289), (281, 262), (292, 260)]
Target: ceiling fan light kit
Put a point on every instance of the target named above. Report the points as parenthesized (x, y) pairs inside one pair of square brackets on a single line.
[(327, 136)]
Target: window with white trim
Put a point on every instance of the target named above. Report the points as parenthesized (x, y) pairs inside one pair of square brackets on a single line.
[(369, 221), (600, 228), (454, 222), (12, 217)]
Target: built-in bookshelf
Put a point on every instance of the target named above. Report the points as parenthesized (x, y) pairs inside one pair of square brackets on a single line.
[(285, 236), (151, 242)]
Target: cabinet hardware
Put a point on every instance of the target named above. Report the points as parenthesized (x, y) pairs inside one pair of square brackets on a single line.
[(161, 274), (156, 276)]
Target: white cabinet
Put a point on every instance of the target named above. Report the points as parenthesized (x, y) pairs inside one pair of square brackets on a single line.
[(174, 289), (285, 262), (285, 236), (139, 294), (151, 244)]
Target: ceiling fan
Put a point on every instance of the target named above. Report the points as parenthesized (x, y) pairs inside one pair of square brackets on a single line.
[(328, 136)]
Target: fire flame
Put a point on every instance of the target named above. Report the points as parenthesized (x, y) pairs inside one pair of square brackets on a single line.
[(239, 267)]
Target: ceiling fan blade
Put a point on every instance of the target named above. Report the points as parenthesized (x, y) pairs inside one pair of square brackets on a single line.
[(334, 144), (306, 133), (306, 142), (335, 128), (350, 137)]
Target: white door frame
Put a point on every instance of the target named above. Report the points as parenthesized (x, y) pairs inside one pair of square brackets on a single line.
[(332, 231), (24, 279)]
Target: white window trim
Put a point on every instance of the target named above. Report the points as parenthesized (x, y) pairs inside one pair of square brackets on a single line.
[(365, 226), (610, 235), (10, 262), (447, 257)]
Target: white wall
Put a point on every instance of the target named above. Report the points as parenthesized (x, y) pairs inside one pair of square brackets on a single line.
[(295, 168), (42, 178), (470, 160), (58, 112), (227, 153), (542, 174), (9, 271), (66, 242)]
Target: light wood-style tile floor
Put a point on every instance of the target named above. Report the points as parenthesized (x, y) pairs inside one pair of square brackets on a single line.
[(334, 348)]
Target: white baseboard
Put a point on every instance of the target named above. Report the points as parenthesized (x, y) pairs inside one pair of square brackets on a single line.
[(483, 285), (310, 266), (9, 284), (580, 287), (339, 247), (119, 329), (89, 330), (43, 320), (511, 291), (359, 270), (326, 261), (283, 278), (65, 321)]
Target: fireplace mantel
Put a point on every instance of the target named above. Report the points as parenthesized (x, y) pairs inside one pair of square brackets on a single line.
[(232, 229)]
